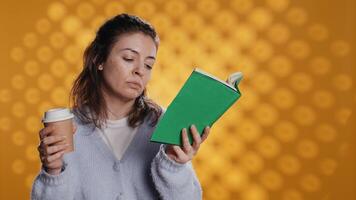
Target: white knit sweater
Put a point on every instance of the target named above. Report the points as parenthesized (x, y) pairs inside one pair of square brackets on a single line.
[(92, 171)]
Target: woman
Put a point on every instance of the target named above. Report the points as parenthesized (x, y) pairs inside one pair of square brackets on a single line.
[(113, 158)]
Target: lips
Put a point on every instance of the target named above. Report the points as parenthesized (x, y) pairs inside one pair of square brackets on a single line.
[(135, 84)]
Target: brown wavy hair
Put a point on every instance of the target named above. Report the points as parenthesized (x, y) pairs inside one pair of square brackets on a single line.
[(88, 102)]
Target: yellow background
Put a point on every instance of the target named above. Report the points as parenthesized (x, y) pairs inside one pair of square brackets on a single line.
[(291, 135)]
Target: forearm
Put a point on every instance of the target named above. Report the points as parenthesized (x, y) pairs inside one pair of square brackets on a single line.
[(53, 187), (174, 180)]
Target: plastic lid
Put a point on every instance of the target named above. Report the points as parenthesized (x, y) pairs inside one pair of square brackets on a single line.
[(57, 114)]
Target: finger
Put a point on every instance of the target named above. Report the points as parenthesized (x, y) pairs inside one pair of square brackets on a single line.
[(45, 131), (53, 139), (54, 149), (205, 134), (196, 137), (186, 145), (181, 155), (74, 128), (54, 157)]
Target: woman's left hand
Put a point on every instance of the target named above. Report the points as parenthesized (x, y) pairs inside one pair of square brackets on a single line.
[(187, 152)]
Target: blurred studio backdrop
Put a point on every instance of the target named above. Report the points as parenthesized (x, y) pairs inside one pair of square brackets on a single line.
[(289, 137)]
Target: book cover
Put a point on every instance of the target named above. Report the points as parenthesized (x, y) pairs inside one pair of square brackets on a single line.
[(201, 101)]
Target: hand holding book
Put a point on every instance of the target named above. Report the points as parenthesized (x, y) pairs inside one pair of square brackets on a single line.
[(186, 153)]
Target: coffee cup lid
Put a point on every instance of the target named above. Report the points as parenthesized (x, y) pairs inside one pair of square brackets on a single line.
[(57, 114)]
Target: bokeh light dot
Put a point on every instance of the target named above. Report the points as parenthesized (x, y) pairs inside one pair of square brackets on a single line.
[(32, 95), (292, 194), (278, 5), (266, 114), (30, 40), (71, 25), (340, 48), (297, 16), (310, 183), (307, 149), (72, 54), (43, 26), (304, 115), (261, 50), (249, 130), (252, 162), (285, 131), (57, 40), (288, 164), (59, 96), (245, 36), (323, 98), (5, 95), (318, 32), (236, 179), (299, 49), (17, 54), (45, 82), (5, 123), (241, 6), (263, 82), (18, 109), (33, 124), (328, 166), (85, 10), (278, 33), (254, 192), (320, 65), (207, 7), (44, 54), (342, 82), (260, 17), (325, 132), (224, 20), (268, 147), (59, 68), (343, 115), (18, 81), (301, 82), (145, 9), (271, 180), (18, 166), (56, 11), (280, 66), (283, 98), (18, 138), (31, 68)]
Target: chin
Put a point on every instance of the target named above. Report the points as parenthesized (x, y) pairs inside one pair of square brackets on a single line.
[(132, 94)]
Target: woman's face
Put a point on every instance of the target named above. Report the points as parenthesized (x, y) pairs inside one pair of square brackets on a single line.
[(127, 69)]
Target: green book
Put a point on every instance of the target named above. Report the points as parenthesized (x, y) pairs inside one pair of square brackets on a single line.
[(201, 101)]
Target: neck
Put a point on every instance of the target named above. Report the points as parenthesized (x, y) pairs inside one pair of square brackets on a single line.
[(117, 108)]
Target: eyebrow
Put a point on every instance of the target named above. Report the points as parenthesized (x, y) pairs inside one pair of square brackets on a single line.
[(136, 52)]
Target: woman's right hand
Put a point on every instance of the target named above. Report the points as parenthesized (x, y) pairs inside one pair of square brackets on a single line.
[(51, 150)]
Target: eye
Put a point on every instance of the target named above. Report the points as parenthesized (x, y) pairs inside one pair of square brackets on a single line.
[(149, 67), (128, 59)]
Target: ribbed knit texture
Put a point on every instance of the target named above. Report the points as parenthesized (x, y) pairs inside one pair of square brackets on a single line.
[(92, 171)]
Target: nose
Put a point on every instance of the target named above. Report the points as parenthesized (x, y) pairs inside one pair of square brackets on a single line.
[(138, 70)]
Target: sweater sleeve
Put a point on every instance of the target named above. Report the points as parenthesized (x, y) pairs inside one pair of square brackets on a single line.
[(53, 187), (174, 180)]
